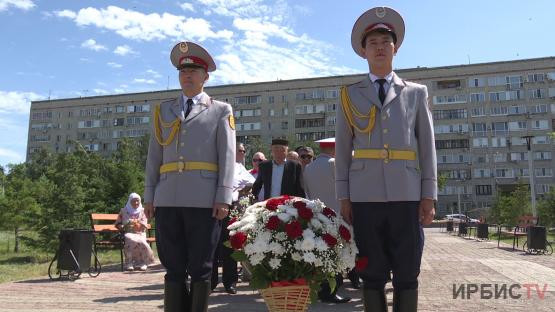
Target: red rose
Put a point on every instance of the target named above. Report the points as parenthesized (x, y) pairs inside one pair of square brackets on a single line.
[(238, 240), (329, 239), (345, 233), (361, 263), (299, 204), (329, 212), (305, 213), (231, 221), (273, 223), (272, 204), (293, 229)]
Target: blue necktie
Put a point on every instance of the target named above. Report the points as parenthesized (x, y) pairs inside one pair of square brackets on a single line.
[(381, 90), (189, 107)]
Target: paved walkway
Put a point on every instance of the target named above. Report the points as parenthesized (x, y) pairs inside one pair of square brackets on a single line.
[(448, 260)]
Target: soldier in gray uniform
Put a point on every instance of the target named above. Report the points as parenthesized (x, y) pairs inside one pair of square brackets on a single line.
[(386, 175), (189, 179), (319, 182)]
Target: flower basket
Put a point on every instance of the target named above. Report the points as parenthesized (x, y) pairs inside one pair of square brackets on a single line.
[(291, 245), (286, 298)]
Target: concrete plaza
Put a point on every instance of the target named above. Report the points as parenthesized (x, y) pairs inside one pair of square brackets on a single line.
[(449, 261)]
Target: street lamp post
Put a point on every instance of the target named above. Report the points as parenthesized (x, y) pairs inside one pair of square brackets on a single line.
[(531, 173)]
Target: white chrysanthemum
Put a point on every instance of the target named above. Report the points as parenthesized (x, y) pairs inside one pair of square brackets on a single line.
[(276, 249), (256, 258), (309, 257), (298, 245), (296, 256), (325, 220), (316, 223), (280, 237), (284, 217), (318, 262), (308, 233), (249, 249), (275, 263), (321, 244), (308, 244), (292, 211)]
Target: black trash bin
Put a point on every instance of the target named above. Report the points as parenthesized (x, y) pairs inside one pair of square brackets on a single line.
[(449, 226), (483, 231), (74, 253), (463, 228), (537, 236)]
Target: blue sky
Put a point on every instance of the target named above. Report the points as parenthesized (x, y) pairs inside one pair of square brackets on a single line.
[(62, 49)]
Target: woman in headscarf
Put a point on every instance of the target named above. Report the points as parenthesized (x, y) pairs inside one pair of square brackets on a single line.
[(132, 220)]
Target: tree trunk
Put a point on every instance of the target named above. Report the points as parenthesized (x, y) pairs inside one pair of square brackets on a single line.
[(16, 247)]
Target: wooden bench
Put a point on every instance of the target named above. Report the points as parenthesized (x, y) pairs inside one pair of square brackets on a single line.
[(108, 236), (520, 230)]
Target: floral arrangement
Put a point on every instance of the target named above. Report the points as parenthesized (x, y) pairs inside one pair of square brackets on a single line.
[(291, 240)]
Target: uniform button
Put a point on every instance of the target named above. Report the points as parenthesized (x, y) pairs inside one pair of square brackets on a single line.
[(384, 117), (181, 157), (183, 132), (181, 144), (386, 146), (384, 131), (386, 161)]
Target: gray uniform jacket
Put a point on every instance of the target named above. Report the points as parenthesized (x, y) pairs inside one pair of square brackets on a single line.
[(403, 122), (205, 135), (319, 181)]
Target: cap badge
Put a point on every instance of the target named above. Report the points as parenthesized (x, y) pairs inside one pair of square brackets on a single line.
[(187, 61), (380, 12), (183, 47)]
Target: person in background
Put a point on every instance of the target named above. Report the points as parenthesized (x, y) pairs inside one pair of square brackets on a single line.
[(306, 155), (257, 158), (242, 182), (133, 222), (279, 176), (319, 181), (292, 155)]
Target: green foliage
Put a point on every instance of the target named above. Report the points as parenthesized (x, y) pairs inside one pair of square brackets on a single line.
[(442, 181), (507, 208), (59, 191), (546, 209)]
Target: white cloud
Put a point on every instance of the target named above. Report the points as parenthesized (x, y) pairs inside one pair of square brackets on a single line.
[(92, 45), (139, 26), (142, 80), (187, 7), (11, 156), (19, 4), (155, 74), (124, 50), (100, 91), (17, 102), (114, 65)]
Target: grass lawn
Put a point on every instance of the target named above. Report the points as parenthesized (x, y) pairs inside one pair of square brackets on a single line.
[(29, 264)]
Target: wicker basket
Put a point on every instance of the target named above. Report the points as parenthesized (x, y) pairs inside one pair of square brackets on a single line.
[(287, 298)]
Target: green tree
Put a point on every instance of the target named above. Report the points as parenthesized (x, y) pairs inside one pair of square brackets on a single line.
[(546, 209), (507, 208), (19, 207)]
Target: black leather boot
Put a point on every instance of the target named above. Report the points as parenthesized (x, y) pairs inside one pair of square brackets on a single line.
[(199, 296), (405, 300), (374, 300), (175, 296)]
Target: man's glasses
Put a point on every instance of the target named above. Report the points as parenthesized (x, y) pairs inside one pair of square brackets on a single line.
[(306, 156), (257, 160)]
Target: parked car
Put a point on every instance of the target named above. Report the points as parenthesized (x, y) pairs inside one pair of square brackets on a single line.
[(458, 217)]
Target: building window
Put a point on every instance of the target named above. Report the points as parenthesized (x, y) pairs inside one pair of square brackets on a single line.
[(483, 189), (119, 122), (543, 172), (482, 173), (535, 78), (540, 125), (271, 99), (477, 97), (480, 142), (120, 109), (309, 123), (537, 109), (332, 94), (499, 111), (478, 111), (476, 82), (448, 84)]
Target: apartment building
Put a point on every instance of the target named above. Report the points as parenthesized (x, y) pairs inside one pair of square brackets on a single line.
[(481, 114)]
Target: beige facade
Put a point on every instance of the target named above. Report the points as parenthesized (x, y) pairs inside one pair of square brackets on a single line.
[(481, 112)]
